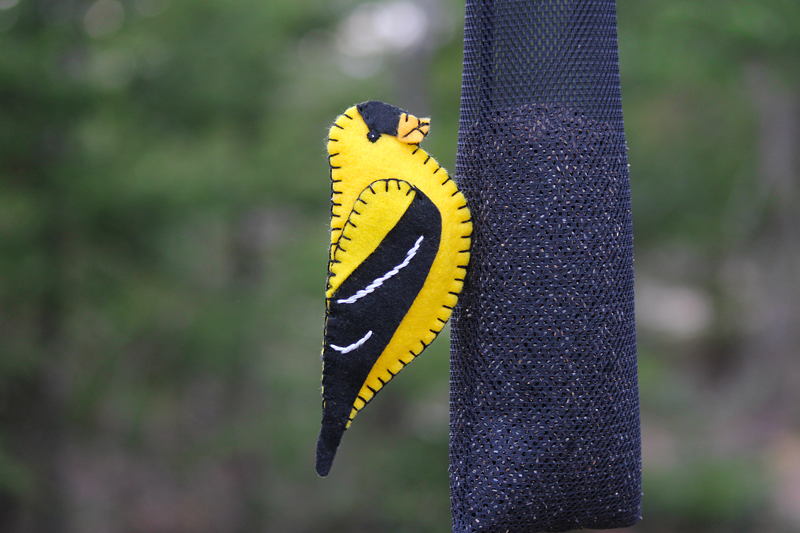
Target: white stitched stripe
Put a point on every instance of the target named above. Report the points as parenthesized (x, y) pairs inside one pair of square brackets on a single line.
[(378, 282), (353, 346)]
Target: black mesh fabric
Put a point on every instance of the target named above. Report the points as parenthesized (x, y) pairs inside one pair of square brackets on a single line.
[(544, 399)]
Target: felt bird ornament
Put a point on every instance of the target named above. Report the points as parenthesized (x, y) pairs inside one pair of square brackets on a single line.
[(400, 244)]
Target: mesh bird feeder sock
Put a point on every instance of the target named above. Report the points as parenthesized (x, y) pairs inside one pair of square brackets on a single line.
[(544, 400)]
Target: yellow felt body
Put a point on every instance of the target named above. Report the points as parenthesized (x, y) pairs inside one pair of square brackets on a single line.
[(355, 164)]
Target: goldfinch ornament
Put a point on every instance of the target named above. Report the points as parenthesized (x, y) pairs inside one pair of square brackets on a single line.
[(400, 244)]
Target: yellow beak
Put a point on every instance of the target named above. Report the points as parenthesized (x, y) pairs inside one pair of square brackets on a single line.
[(411, 129)]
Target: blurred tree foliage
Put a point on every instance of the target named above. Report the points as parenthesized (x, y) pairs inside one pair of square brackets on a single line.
[(163, 219), (710, 92), (163, 214)]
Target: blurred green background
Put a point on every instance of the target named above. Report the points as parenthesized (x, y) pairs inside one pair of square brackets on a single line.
[(164, 203)]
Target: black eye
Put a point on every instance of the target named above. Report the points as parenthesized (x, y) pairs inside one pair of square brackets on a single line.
[(373, 136)]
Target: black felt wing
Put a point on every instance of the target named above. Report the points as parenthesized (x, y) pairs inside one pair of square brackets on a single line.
[(366, 310)]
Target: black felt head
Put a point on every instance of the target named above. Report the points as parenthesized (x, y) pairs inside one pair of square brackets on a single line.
[(380, 117)]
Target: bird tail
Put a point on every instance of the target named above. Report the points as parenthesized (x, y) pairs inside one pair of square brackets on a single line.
[(329, 438)]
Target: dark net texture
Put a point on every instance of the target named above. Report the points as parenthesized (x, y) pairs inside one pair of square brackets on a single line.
[(544, 398)]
